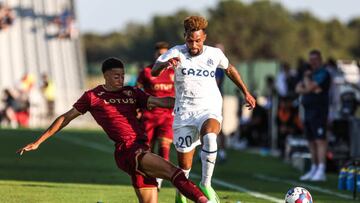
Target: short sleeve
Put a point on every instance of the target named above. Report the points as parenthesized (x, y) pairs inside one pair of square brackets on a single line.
[(141, 98), (83, 103), (322, 78), (171, 53), (224, 61)]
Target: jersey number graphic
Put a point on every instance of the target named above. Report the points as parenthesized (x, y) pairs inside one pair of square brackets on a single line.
[(187, 141)]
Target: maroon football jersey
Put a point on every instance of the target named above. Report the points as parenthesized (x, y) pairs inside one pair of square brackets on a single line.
[(160, 86), (115, 112)]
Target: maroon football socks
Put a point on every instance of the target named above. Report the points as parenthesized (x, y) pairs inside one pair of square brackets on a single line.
[(187, 188)]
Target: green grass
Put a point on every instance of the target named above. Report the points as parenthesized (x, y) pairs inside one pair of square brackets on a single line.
[(64, 171)]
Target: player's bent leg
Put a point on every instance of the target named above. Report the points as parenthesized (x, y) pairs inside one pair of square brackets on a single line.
[(186, 138), (209, 131), (155, 166), (147, 195)]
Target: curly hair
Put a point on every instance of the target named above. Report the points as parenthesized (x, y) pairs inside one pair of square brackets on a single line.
[(195, 23)]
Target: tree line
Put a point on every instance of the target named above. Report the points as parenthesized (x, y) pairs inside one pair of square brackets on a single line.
[(260, 30)]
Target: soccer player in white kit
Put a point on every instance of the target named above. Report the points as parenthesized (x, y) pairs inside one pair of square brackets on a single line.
[(198, 102)]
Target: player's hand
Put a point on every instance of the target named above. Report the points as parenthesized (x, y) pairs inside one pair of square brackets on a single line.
[(29, 147), (173, 62), (251, 102)]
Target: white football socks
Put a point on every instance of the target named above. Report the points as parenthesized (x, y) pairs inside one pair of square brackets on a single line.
[(186, 172), (159, 181), (321, 167), (313, 168), (208, 158)]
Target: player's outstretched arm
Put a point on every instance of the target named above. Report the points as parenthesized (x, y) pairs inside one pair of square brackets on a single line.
[(59, 123), (160, 66), (164, 102), (234, 75)]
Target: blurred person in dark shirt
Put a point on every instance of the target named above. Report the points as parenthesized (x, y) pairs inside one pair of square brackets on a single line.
[(314, 90)]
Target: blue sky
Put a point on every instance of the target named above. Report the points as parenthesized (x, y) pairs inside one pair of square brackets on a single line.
[(98, 16)]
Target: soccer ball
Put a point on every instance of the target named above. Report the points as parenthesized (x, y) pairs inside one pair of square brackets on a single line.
[(298, 195)]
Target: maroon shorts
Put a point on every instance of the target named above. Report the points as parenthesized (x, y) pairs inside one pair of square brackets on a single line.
[(127, 160), (158, 126)]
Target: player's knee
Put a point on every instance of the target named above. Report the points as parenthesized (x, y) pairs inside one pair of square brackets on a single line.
[(210, 126)]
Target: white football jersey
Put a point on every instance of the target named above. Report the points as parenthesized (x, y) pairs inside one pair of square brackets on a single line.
[(195, 83)]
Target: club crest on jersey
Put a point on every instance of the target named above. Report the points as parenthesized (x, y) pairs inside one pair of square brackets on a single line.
[(210, 62), (128, 93)]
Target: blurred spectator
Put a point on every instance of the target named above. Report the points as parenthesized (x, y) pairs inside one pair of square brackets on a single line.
[(288, 121), (48, 91), (270, 88), (270, 91), (332, 67), (6, 17), (8, 113), (334, 91), (301, 67), (314, 89), (67, 25), (255, 130), (285, 81), (15, 108), (22, 90), (26, 83)]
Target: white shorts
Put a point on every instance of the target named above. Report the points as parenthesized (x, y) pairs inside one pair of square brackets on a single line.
[(187, 132)]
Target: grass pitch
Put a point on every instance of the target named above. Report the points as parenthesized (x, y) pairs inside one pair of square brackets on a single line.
[(78, 166)]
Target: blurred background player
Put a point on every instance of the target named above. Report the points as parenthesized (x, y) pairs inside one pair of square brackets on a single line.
[(158, 121), (113, 106), (198, 104), (314, 89), (48, 91)]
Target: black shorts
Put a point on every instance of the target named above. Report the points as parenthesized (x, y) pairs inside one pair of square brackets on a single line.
[(315, 129)]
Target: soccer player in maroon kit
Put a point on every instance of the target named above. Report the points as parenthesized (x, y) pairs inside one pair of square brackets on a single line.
[(158, 121), (113, 106)]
